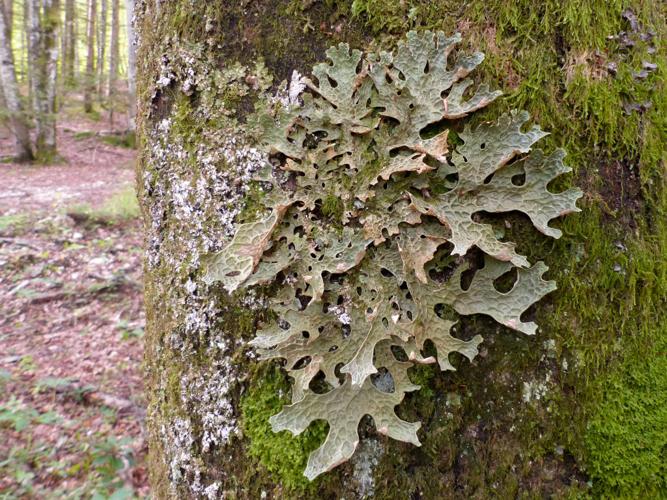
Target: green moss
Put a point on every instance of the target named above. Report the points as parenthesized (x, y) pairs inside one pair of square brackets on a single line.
[(422, 375), (253, 207), (627, 434), (332, 207), (284, 456)]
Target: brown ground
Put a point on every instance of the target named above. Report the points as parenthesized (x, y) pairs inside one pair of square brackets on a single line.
[(89, 171), (71, 324)]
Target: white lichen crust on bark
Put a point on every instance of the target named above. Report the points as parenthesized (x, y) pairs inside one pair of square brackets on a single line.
[(193, 185)]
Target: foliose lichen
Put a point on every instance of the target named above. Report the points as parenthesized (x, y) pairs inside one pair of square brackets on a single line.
[(364, 287)]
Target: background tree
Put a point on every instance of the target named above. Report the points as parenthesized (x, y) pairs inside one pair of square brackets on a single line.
[(44, 21), (10, 92), (131, 65), (90, 86), (114, 53), (9, 16), (101, 49), (69, 44), (551, 415)]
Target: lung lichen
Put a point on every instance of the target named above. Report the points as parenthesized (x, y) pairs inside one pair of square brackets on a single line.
[(363, 286)]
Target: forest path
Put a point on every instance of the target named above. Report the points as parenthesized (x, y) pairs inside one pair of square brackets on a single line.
[(71, 321), (88, 172)]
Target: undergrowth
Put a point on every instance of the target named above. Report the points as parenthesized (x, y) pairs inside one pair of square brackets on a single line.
[(120, 207)]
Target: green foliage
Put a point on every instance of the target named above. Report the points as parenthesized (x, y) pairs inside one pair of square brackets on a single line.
[(13, 223), (16, 414), (125, 140), (127, 332), (281, 454), (98, 459), (120, 207), (400, 194), (86, 134)]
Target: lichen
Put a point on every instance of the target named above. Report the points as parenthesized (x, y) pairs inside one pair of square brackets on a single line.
[(191, 211), (360, 136)]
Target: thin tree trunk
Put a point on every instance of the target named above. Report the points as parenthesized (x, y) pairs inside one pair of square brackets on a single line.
[(23, 150), (113, 57), (33, 39), (69, 44), (101, 49), (131, 65), (24, 74), (47, 141), (34, 55), (75, 36), (9, 17), (89, 88), (63, 46)]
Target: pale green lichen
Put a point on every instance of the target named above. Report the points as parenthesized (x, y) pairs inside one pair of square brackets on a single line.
[(361, 296)]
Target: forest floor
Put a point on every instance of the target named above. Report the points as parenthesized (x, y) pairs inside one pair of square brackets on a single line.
[(71, 320)]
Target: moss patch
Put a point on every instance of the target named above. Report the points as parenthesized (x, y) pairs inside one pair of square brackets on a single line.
[(627, 434), (284, 456)]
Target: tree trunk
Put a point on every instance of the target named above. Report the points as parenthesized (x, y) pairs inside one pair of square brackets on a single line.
[(131, 65), (575, 411), (69, 45), (46, 137), (44, 20), (9, 17), (89, 88), (101, 49), (34, 44), (10, 92), (24, 76), (113, 57)]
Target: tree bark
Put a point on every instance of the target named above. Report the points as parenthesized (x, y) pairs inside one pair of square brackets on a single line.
[(9, 18), (515, 423), (44, 21), (101, 49), (131, 65), (46, 140), (25, 50), (17, 119), (113, 57), (69, 44), (89, 88), (34, 44)]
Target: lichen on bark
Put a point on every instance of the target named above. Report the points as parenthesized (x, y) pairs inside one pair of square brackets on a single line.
[(348, 297), (479, 436)]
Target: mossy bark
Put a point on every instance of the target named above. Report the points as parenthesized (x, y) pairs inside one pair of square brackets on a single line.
[(532, 417)]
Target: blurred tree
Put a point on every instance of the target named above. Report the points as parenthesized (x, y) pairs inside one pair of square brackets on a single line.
[(101, 49), (89, 87), (131, 64), (113, 57), (44, 19), (68, 45), (17, 119)]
